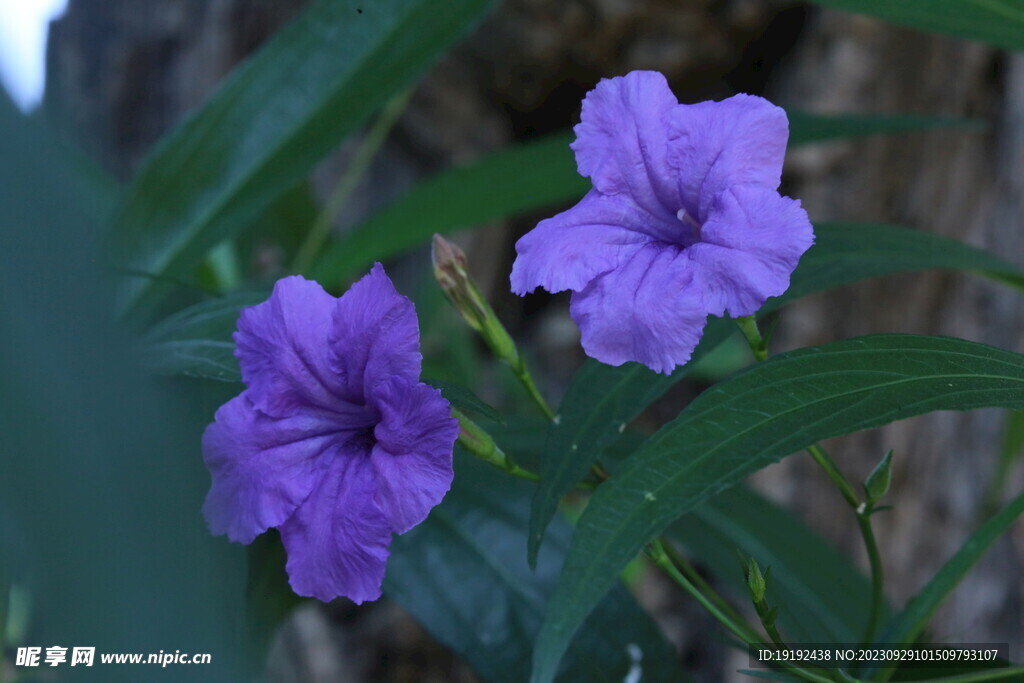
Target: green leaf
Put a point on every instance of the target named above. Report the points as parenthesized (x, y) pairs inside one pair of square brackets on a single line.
[(999, 22), (276, 116), (850, 252), (510, 181), (598, 405), (753, 419), (102, 480), (196, 341), (805, 568), (806, 128), (602, 399), (914, 618), (464, 399), (462, 574), (527, 177)]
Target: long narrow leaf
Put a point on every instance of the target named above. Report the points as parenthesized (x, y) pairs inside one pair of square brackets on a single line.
[(601, 399), (805, 568), (914, 618), (462, 574), (849, 252), (753, 419), (533, 176), (510, 181), (999, 22), (278, 114)]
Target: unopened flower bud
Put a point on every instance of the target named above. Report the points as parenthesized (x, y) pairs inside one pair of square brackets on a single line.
[(451, 274), (877, 483), (756, 581)]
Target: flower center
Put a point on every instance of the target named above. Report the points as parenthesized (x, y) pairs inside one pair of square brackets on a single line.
[(689, 221)]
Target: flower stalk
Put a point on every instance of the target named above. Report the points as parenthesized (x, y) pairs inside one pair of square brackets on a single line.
[(452, 275), (862, 509), (479, 443)]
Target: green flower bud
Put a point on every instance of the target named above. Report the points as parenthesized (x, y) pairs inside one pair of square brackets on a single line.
[(755, 581), (877, 483), (451, 274)]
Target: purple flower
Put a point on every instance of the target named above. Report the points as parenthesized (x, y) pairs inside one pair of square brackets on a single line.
[(335, 442), (684, 220)]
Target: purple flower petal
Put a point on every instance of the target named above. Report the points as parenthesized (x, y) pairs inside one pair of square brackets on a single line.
[(281, 345), (751, 243), (263, 467), (375, 335), (621, 138), (593, 237), (413, 454), (647, 310), (714, 145), (337, 540)]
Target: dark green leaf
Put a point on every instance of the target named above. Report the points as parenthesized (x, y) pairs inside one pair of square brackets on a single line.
[(602, 399), (462, 574), (464, 399), (753, 419), (526, 177), (999, 22), (850, 252), (598, 405), (806, 128), (805, 569), (277, 115), (508, 182), (196, 341), (102, 481)]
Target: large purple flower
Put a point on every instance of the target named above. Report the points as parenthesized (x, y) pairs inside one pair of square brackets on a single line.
[(684, 219), (335, 442)]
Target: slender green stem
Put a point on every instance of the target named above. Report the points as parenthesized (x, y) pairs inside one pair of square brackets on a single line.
[(862, 512), (832, 470), (861, 509), (524, 377), (738, 627), (357, 168), (877, 576), (748, 325), (691, 573), (772, 631), (476, 441)]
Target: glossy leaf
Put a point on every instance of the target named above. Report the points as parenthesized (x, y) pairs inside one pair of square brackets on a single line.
[(999, 22), (602, 399), (805, 568), (462, 574), (598, 405), (753, 419), (276, 116), (528, 177)]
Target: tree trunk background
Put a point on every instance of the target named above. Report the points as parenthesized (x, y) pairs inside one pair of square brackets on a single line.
[(128, 71)]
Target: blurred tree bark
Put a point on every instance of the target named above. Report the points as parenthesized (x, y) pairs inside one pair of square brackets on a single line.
[(127, 71), (958, 183)]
